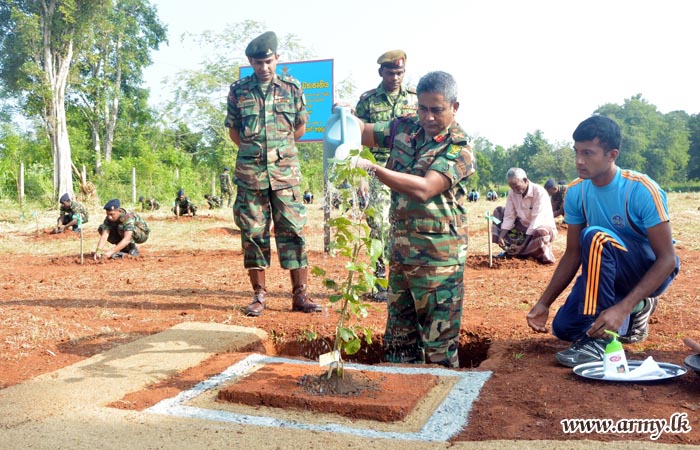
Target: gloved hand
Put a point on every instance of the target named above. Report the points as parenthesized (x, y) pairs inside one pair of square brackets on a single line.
[(362, 163)]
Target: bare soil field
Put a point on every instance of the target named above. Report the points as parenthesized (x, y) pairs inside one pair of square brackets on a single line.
[(56, 310)]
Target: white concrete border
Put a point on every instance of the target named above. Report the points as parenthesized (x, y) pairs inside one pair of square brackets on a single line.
[(447, 420)]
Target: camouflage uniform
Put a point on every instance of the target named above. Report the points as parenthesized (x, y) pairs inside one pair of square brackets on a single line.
[(71, 212), (149, 204), (226, 188), (127, 222), (267, 173), (214, 202), (377, 105), (558, 200), (185, 205), (428, 244)]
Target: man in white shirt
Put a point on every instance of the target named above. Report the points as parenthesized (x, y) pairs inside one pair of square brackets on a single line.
[(527, 227)]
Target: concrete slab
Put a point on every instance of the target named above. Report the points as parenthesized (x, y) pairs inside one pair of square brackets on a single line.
[(444, 422)]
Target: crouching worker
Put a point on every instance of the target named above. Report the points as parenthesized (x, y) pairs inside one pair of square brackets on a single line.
[(70, 213), (123, 229)]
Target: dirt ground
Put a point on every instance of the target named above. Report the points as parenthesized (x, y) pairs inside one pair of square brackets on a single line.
[(55, 311)]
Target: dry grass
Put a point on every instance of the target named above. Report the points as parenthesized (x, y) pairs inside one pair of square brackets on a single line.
[(215, 230)]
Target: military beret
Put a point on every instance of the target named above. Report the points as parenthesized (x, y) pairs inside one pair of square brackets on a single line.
[(141, 198), (226, 169), (549, 184), (64, 198), (394, 59), (180, 192), (112, 204), (262, 46)]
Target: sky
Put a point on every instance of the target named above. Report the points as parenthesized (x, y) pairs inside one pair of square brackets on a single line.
[(521, 65)]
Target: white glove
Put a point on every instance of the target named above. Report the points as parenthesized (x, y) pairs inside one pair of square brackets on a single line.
[(362, 163)]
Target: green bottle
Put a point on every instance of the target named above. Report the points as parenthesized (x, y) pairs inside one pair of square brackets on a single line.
[(615, 361)]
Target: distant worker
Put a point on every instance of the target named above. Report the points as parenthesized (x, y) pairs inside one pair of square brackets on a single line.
[(148, 204), (388, 101), (183, 205), (226, 187), (557, 193), (213, 201), (308, 198), (70, 212), (473, 195), (527, 227), (492, 195), (123, 229)]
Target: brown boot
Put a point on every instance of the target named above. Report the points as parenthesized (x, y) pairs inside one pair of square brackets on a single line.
[(300, 302), (257, 280)]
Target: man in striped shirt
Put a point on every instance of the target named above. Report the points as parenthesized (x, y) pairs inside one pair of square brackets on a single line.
[(619, 233)]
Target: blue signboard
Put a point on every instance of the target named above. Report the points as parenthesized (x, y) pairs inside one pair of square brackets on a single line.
[(316, 78)]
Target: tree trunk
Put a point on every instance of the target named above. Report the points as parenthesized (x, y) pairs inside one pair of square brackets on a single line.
[(56, 66), (113, 105)]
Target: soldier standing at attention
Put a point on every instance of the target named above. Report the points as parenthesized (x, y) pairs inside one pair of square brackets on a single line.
[(70, 211), (429, 163), (226, 187), (266, 114), (387, 101)]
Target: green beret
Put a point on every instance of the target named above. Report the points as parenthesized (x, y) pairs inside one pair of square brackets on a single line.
[(262, 46), (394, 59)]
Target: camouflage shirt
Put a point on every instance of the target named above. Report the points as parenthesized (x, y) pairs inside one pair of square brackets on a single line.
[(74, 210), (225, 182), (267, 157), (376, 105), (129, 222), (431, 233), (185, 204), (558, 199)]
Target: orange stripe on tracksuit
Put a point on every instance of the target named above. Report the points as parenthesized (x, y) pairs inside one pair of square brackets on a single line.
[(593, 276)]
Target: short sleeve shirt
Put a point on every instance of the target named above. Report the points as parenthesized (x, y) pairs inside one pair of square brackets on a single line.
[(268, 156), (431, 233), (628, 205)]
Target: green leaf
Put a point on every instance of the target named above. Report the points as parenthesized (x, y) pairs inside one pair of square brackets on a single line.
[(352, 347)]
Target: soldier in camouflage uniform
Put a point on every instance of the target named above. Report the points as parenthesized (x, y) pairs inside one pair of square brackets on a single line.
[(386, 102), (70, 211), (557, 193), (213, 201), (429, 163), (266, 114), (183, 205), (148, 204), (123, 229), (226, 187)]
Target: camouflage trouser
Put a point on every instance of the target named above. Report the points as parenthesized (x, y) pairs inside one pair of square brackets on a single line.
[(138, 236), (226, 197), (424, 314), (380, 200), (254, 211)]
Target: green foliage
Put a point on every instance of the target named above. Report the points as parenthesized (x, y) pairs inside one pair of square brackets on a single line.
[(351, 239)]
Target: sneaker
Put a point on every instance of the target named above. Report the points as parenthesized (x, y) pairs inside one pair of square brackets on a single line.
[(502, 255), (118, 255), (583, 351), (133, 250), (381, 296), (638, 329)]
